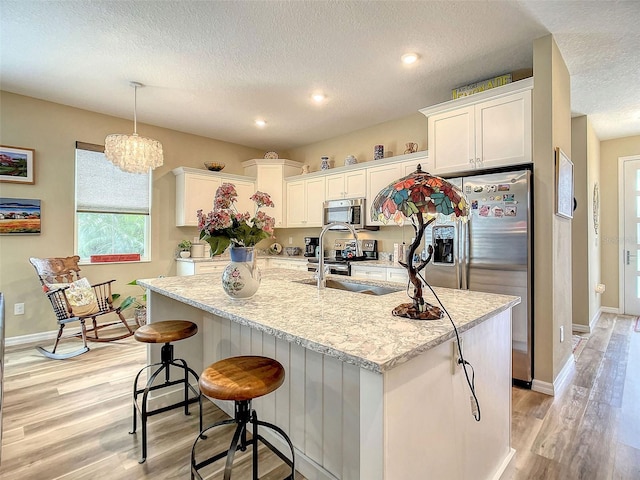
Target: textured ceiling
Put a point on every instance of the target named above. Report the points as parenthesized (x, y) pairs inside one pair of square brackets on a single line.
[(212, 67)]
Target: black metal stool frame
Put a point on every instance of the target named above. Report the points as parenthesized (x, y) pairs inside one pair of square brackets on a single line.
[(166, 361), (243, 415)]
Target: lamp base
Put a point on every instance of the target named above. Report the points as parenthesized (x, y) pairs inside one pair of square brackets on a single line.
[(407, 310)]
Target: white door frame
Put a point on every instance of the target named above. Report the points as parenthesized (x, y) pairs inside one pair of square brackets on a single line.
[(621, 240)]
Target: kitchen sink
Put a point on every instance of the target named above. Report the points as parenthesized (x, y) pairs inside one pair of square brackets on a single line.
[(357, 287)]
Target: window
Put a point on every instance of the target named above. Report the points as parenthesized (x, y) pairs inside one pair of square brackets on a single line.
[(112, 206)]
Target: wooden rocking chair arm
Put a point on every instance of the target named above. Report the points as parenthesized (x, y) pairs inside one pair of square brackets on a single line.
[(102, 283)]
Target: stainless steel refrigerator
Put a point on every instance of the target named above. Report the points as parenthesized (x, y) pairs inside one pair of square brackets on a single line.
[(492, 252)]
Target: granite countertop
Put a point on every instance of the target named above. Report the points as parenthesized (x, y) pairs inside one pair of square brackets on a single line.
[(353, 327), (226, 259)]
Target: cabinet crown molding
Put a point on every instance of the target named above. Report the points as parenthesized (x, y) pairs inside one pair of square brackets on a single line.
[(198, 171), (271, 161), (508, 89)]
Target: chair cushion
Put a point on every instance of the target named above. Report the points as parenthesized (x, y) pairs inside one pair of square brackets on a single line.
[(80, 296)]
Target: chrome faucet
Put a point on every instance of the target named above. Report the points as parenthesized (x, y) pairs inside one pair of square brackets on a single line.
[(321, 272)]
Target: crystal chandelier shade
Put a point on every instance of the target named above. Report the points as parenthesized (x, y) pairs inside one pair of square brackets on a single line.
[(133, 153)]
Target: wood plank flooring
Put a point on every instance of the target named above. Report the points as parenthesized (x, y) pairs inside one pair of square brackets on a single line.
[(591, 431), (69, 419)]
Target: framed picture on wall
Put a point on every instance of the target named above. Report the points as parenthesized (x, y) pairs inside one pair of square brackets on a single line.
[(17, 165), (564, 185), (19, 216)]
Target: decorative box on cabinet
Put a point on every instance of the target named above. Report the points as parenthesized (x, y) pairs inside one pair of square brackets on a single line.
[(346, 185), (304, 202), (488, 129), (270, 175), (195, 189)]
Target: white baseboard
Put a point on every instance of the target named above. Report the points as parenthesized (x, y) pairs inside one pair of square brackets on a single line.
[(50, 335), (560, 382), (507, 468), (604, 309), (592, 323)]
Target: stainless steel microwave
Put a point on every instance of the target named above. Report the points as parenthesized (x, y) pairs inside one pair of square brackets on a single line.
[(350, 210)]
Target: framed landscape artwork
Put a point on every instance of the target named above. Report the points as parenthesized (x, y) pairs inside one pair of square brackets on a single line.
[(19, 216), (17, 165), (564, 185)]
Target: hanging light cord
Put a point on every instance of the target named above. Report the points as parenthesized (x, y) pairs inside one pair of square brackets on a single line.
[(135, 107), (475, 406)]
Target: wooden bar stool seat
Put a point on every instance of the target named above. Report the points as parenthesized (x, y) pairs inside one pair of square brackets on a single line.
[(164, 332), (241, 379)]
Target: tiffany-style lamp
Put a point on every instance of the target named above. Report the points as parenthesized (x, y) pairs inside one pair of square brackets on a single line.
[(419, 197)]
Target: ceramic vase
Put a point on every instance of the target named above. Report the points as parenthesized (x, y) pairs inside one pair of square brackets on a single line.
[(325, 163), (241, 278), (185, 254)]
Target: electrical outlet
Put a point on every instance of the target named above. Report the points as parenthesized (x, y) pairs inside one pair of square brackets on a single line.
[(18, 309), (561, 333), (290, 240), (455, 356)]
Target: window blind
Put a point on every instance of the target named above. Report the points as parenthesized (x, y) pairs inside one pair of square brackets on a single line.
[(102, 187)]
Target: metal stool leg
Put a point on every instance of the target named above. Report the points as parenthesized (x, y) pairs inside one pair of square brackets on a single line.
[(167, 361)]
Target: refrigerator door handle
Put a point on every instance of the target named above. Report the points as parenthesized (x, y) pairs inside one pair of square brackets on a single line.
[(463, 280)]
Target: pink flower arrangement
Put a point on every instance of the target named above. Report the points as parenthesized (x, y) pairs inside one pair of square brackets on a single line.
[(225, 226)]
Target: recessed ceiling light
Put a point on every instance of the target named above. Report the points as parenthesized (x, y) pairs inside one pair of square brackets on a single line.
[(261, 123), (318, 97), (409, 58)]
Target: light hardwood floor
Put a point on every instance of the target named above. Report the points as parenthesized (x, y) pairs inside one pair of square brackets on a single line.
[(69, 419)]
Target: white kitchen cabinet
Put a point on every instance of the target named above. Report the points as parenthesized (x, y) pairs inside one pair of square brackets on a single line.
[(485, 130), (304, 202), (378, 178), (398, 275), (346, 185), (298, 265), (270, 175), (196, 189), (410, 166), (186, 267), (368, 272)]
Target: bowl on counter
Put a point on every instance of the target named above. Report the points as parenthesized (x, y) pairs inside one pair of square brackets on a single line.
[(214, 166), (293, 251)]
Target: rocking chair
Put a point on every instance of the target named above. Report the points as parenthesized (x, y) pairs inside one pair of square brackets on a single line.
[(74, 300)]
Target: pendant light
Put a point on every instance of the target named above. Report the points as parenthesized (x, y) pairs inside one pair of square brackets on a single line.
[(133, 153)]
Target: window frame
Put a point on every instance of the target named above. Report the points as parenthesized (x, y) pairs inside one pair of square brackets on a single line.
[(144, 258)]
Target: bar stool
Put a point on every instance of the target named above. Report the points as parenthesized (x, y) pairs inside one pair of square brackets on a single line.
[(242, 379), (163, 332)]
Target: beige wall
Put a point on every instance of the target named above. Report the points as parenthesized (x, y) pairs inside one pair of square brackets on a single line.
[(585, 149), (610, 151), (52, 130), (393, 135), (552, 234)]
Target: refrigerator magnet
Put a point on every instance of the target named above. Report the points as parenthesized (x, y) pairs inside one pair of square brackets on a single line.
[(504, 187), (474, 204), (498, 211), (509, 198), (484, 211), (510, 211)]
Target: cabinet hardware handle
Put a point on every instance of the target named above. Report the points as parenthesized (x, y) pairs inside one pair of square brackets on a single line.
[(471, 161)]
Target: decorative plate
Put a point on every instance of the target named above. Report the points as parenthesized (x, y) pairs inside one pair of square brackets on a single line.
[(271, 155), (275, 249)]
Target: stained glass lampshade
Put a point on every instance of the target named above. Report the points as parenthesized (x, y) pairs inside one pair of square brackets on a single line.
[(420, 198)]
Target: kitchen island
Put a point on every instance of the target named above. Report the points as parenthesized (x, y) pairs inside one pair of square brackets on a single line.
[(368, 395)]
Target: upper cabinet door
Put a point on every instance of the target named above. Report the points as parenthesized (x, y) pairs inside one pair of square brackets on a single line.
[(355, 184), (314, 199), (503, 131), (334, 189), (194, 192), (296, 208), (377, 179), (451, 138)]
